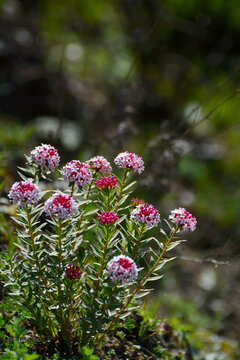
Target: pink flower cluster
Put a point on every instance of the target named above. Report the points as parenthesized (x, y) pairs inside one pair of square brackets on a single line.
[(183, 218), (107, 218), (123, 269), (99, 163), (107, 182), (77, 172), (24, 192), (146, 214), (130, 161), (61, 206), (46, 157), (72, 272)]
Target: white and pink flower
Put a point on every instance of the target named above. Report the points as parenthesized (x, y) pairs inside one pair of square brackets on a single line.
[(122, 269), (77, 172), (46, 157), (99, 163), (24, 193), (146, 214), (60, 206), (127, 160), (184, 219)]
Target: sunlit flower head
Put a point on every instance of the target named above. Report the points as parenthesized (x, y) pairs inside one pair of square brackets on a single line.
[(60, 206), (146, 214), (107, 218), (122, 269), (77, 172), (184, 219), (99, 163), (72, 272), (127, 160), (24, 192), (107, 182), (46, 157), (136, 201)]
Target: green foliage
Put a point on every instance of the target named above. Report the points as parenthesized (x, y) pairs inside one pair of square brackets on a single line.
[(87, 354), (164, 353), (17, 349), (149, 322), (6, 233)]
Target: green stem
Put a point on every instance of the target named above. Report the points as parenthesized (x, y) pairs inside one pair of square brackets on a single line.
[(142, 282), (121, 190), (103, 311), (102, 266), (27, 304), (99, 275), (31, 235), (72, 191), (35, 175), (59, 277), (108, 204), (85, 205), (68, 320), (138, 241)]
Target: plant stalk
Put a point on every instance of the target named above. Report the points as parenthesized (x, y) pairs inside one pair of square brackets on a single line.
[(102, 266), (59, 276), (121, 190), (138, 241), (68, 320), (85, 205), (39, 265)]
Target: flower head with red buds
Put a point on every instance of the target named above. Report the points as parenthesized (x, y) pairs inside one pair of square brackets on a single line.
[(72, 272), (184, 219), (99, 163), (46, 157), (107, 218), (77, 172), (60, 206), (107, 182), (146, 214), (24, 193), (127, 160), (122, 269), (136, 201)]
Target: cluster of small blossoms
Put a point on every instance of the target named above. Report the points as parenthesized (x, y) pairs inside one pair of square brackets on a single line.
[(99, 163), (77, 172), (130, 161), (24, 192), (46, 157), (136, 201), (72, 272), (146, 214), (61, 206), (122, 269), (107, 182), (107, 218), (183, 218)]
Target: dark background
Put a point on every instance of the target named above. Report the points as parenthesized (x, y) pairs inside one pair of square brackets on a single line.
[(159, 78)]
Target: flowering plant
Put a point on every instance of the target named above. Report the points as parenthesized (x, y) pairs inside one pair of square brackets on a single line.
[(77, 265)]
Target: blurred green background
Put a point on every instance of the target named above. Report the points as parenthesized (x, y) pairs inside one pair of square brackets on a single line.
[(159, 78)]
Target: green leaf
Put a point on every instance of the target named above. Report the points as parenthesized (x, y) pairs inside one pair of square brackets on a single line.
[(176, 243), (129, 186)]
